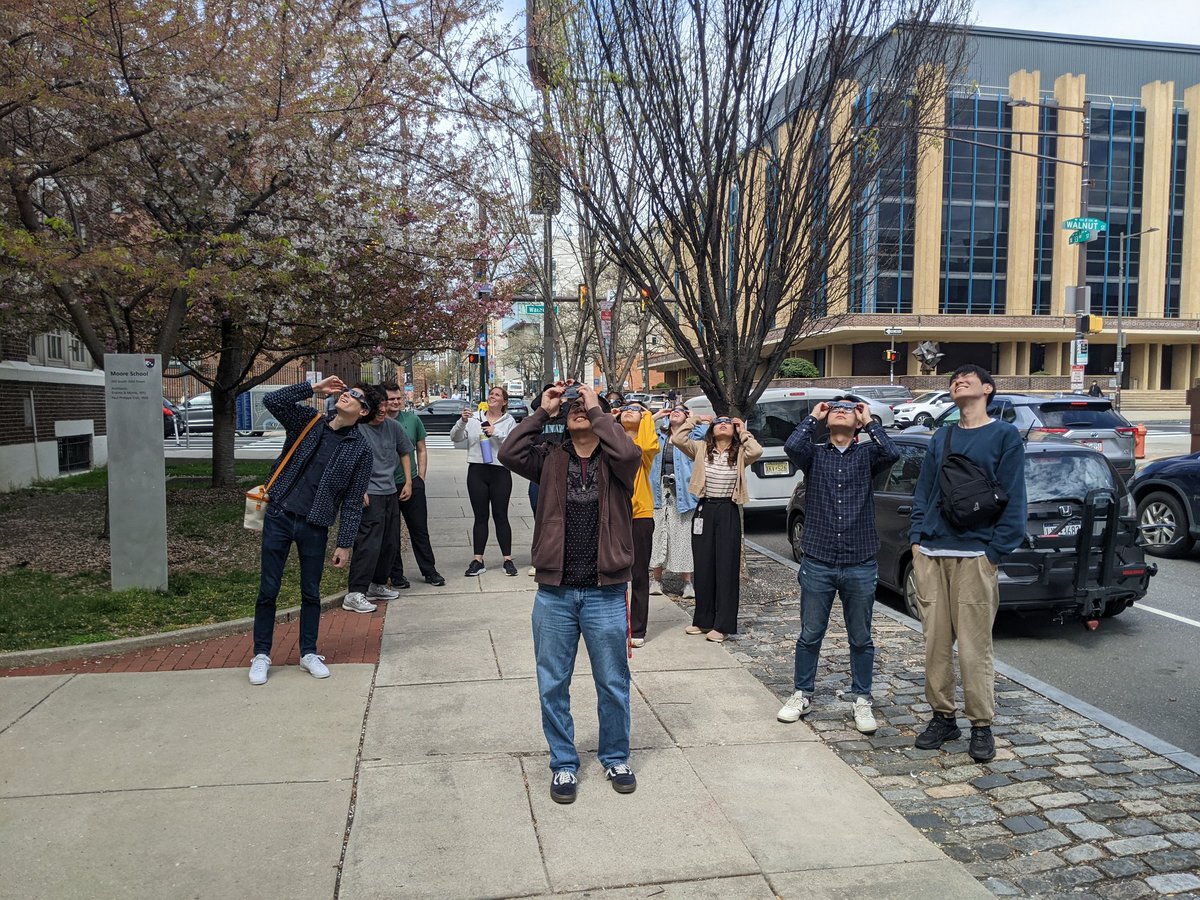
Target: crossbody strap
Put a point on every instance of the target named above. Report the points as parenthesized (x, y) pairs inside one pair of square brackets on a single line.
[(946, 446), (279, 468)]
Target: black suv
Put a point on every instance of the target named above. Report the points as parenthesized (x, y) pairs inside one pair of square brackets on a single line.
[(1078, 508), (1167, 492), (1090, 421)]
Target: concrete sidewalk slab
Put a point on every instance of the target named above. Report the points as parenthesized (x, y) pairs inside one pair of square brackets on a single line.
[(179, 729), (719, 706), (440, 609), (485, 718), (20, 694), (797, 806), (860, 880), (458, 828), (670, 829), (430, 657), (737, 887), (274, 842)]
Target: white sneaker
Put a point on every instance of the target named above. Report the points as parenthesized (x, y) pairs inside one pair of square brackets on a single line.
[(259, 666), (796, 706), (356, 602), (637, 642), (864, 719), (314, 665), (532, 571), (655, 587), (381, 592), (688, 590)]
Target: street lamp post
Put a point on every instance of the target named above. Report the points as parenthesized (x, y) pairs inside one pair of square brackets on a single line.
[(1122, 303)]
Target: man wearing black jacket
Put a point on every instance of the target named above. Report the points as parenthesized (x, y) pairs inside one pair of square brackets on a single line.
[(583, 552)]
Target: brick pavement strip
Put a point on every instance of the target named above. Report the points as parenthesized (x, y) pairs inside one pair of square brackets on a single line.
[(1067, 808)]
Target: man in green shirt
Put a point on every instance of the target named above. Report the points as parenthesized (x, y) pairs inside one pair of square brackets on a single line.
[(414, 509)]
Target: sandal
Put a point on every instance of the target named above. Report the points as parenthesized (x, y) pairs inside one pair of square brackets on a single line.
[(692, 629), (716, 637)]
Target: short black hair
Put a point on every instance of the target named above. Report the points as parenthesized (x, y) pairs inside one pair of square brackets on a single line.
[(376, 397), (390, 386), (984, 376)]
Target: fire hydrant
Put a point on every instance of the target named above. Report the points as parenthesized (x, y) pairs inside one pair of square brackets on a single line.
[(1139, 441)]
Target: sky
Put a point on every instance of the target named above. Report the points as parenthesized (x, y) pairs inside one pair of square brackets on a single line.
[(1172, 21)]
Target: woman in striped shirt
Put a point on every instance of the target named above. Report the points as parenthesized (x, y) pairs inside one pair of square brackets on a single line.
[(719, 480)]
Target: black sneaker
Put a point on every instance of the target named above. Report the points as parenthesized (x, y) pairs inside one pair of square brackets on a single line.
[(476, 568), (939, 730), (510, 567), (622, 778), (401, 583), (983, 746), (563, 786), (435, 579)]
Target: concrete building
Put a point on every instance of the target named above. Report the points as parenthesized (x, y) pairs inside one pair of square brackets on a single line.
[(963, 243)]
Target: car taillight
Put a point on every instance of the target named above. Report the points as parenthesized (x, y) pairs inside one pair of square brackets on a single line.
[(1050, 430), (167, 412), (1126, 430)]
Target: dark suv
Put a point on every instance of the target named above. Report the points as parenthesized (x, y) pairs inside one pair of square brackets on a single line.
[(1167, 492), (1079, 508), (1090, 421)]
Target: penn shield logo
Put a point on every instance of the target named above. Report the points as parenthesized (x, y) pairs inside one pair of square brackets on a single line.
[(149, 362)]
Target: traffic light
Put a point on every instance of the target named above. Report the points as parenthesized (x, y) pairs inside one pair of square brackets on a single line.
[(1089, 324), (644, 293), (583, 295), (472, 358), (889, 355)]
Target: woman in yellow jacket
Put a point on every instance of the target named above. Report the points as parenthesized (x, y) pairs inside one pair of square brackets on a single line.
[(719, 480), (639, 425)]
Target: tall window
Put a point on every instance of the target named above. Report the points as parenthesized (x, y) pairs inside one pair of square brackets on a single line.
[(1175, 224), (1115, 161)]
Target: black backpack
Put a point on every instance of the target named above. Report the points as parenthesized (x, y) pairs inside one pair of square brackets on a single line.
[(970, 497)]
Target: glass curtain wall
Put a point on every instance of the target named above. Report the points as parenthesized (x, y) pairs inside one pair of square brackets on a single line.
[(1175, 227), (1115, 159)]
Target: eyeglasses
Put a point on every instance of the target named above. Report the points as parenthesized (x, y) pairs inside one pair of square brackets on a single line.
[(842, 407), (722, 420)]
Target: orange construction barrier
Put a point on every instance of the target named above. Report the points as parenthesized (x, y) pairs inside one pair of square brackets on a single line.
[(1139, 441)]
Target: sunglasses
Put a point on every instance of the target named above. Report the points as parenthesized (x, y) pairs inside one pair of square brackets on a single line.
[(358, 395), (722, 420), (842, 407), (681, 409), (627, 407)]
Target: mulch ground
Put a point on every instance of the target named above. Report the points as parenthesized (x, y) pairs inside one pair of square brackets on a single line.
[(345, 637)]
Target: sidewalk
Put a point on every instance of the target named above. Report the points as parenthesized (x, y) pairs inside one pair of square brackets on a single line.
[(426, 775)]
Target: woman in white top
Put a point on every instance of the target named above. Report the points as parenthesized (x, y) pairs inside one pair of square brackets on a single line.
[(719, 480), (489, 484)]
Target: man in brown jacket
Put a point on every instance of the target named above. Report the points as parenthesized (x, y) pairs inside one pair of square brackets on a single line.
[(583, 552)]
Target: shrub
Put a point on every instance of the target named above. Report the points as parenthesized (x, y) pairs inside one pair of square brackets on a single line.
[(662, 386), (795, 367), (692, 380)]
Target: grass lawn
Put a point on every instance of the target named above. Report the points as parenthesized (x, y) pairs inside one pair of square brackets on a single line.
[(54, 591)]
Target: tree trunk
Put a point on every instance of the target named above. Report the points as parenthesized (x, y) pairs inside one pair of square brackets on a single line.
[(224, 406)]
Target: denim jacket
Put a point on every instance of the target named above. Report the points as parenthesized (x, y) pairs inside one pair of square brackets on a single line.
[(685, 501)]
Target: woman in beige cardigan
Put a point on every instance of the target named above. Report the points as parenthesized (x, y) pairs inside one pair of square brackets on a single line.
[(719, 480)]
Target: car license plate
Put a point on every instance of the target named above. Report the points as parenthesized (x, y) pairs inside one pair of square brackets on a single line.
[(1095, 445), (776, 468), (1069, 530)]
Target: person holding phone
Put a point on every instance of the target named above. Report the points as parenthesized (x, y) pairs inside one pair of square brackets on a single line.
[(719, 481), (489, 484)]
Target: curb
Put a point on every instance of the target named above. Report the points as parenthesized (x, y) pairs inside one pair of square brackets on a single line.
[(1155, 745), (49, 655)]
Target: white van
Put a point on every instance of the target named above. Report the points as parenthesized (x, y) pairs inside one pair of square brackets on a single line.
[(772, 478), (515, 388)]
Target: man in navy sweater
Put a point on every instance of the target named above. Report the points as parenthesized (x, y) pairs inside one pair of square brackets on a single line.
[(955, 570)]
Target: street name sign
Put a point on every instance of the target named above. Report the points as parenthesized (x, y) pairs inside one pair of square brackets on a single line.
[(893, 332), (1081, 237), (1084, 223)]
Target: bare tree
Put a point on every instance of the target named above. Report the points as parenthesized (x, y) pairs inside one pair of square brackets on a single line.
[(720, 150)]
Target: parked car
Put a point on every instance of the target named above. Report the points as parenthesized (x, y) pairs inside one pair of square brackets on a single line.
[(517, 408), (637, 397), (439, 416), (922, 409), (198, 413), (771, 479), (1167, 493), (1090, 421), (1079, 509), (881, 412), (172, 418), (891, 394)]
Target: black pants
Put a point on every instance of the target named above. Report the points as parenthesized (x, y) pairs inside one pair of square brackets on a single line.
[(415, 511), (717, 552), (375, 545), (489, 485), (639, 586)]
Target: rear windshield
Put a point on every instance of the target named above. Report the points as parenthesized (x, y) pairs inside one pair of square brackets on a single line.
[(1061, 476), (773, 421), (1064, 415), (925, 397)]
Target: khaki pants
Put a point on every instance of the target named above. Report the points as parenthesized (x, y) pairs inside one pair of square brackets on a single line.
[(958, 598)]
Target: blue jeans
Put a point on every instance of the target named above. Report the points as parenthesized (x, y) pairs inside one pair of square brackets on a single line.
[(280, 529), (560, 616), (856, 586)]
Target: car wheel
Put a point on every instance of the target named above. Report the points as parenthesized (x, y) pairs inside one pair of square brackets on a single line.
[(1114, 608), (922, 419), (1164, 526), (911, 606), (244, 433), (795, 536)]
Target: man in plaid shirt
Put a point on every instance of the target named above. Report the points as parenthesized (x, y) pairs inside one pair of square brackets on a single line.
[(840, 544)]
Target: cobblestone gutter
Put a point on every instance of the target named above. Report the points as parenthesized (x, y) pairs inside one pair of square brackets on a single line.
[(1066, 809)]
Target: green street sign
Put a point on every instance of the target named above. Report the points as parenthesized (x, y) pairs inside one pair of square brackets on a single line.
[(1085, 224), (1081, 237), (532, 308)]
